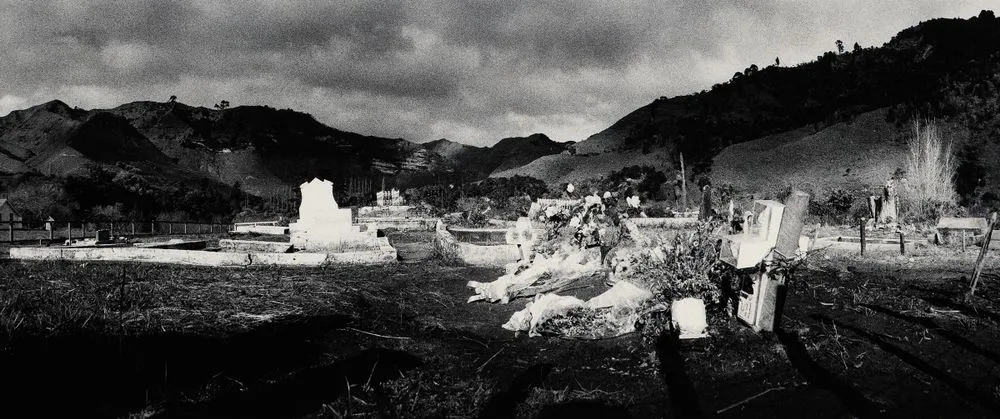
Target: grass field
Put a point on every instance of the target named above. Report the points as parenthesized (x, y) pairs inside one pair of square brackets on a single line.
[(849, 155), (861, 337)]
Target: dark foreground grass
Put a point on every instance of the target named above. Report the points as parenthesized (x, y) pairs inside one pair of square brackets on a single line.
[(114, 340)]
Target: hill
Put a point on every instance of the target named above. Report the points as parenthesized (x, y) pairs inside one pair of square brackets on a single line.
[(944, 69), (506, 154)]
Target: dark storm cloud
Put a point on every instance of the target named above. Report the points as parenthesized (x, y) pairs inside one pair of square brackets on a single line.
[(565, 35), (473, 71)]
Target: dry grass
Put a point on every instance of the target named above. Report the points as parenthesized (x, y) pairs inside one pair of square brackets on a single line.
[(55, 297), (849, 156)]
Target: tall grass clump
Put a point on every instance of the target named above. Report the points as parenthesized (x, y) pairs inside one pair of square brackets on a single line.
[(929, 186)]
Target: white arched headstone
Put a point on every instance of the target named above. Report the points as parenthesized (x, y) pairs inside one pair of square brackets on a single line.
[(323, 225), (317, 201)]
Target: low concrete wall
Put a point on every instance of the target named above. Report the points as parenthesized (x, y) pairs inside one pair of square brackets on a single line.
[(404, 224), (260, 229), (175, 244), (133, 254), (254, 246), (383, 254)]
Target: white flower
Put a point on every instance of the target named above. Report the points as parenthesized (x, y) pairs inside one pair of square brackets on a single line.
[(570, 188), (591, 200), (574, 222), (607, 195), (550, 211), (633, 201)]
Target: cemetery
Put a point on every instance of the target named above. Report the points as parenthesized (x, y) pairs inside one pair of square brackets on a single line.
[(581, 301), (324, 234)]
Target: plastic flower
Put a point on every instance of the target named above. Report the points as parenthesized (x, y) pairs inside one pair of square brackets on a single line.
[(575, 221), (550, 211), (607, 195), (633, 201), (592, 200), (570, 188)]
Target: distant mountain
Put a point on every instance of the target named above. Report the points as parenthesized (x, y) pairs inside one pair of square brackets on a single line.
[(260, 148), (263, 150), (505, 154), (944, 69), (53, 138)]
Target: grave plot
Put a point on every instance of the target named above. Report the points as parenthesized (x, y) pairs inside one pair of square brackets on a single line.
[(573, 243), (324, 234)]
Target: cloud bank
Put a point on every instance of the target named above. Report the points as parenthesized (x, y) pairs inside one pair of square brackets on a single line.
[(470, 71)]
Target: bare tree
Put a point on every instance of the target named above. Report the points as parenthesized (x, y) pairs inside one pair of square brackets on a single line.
[(930, 170)]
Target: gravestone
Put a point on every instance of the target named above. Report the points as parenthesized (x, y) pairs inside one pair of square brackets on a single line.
[(324, 226), (775, 232), (103, 236), (706, 203)]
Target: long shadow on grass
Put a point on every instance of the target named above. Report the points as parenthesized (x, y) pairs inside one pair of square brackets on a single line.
[(960, 388), (304, 392), (853, 400), (504, 404), (683, 397), (102, 375), (962, 308), (583, 409), (934, 327)]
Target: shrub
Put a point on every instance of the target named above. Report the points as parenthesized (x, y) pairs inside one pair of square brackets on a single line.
[(476, 212), (690, 269), (929, 186), (686, 270), (441, 197)]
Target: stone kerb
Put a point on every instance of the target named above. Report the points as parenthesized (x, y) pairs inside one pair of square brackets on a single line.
[(476, 255)]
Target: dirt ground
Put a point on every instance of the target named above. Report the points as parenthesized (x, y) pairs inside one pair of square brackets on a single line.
[(861, 337)]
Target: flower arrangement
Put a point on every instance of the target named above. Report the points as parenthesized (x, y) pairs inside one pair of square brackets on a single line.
[(596, 220)]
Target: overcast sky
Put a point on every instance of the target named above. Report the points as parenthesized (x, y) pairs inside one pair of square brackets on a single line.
[(469, 71)]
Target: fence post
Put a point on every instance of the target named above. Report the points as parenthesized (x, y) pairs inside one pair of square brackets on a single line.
[(170, 227), (152, 227), (185, 228), (902, 244), (10, 231), (133, 228), (52, 229), (69, 231), (111, 230)]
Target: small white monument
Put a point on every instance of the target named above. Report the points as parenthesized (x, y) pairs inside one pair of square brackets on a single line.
[(324, 226), (388, 198)]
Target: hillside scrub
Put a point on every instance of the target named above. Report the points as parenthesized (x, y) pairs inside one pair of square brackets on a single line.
[(507, 198)]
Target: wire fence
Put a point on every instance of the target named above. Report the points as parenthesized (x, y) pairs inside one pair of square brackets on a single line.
[(13, 232)]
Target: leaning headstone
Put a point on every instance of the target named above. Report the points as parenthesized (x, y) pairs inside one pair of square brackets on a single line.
[(774, 285)]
